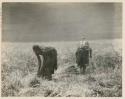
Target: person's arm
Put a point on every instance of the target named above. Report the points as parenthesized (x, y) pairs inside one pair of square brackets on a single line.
[(55, 63), (90, 53), (39, 63)]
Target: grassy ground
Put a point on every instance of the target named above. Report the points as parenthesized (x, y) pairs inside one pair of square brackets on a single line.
[(103, 75)]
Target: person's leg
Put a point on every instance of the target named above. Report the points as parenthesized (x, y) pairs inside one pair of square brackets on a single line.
[(81, 70), (48, 76), (84, 69)]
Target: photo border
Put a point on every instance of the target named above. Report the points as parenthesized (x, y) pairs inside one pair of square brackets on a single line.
[(76, 1)]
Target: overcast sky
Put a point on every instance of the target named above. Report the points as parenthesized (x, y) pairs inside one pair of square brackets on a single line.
[(60, 21)]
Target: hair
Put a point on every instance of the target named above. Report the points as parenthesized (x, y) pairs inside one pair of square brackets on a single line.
[(35, 47), (87, 44)]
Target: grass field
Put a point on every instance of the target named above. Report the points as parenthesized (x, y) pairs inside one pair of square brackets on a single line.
[(103, 76)]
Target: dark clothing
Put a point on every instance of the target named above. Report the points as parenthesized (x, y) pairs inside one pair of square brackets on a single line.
[(82, 57), (49, 64)]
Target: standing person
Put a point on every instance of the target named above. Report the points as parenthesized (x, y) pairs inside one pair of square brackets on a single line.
[(83, 53)]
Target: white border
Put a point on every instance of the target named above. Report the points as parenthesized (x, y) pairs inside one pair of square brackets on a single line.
[(123, 46), (62, 0)]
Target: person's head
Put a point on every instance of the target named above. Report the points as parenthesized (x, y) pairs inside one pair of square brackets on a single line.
[(36, 49), (83, 38), (87, 44)]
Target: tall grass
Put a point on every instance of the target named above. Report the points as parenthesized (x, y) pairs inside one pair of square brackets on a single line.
[(103, 75)]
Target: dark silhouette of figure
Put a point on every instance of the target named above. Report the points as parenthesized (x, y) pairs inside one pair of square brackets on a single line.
[(49, 64), (82, 57)]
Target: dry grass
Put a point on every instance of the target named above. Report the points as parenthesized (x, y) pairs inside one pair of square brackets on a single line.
[(103, 76)]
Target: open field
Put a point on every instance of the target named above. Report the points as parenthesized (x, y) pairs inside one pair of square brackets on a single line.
[(103, 75)]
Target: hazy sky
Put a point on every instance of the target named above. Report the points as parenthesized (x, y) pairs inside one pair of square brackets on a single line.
[(60, 21)]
